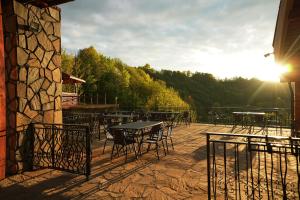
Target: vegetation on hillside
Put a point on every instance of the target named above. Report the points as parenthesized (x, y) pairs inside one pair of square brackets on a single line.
[(145, 87), (113, 79), (203, 91)]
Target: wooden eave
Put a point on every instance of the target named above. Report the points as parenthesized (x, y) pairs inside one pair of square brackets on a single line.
[(286, 41), (290, 77), (281, 27), (44, 3), (70, 79)]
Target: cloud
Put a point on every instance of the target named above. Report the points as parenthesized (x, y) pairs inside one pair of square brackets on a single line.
[(172, 34)]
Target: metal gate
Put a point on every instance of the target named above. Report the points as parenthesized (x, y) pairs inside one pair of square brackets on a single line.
[(252, 166), (55, 146)]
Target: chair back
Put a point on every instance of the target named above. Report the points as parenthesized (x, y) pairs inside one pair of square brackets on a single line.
[(119, 136), (156, 132), (107, 133), (169, 130)]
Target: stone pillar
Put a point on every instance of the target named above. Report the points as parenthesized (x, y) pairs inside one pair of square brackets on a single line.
[(2, 103), (33, 70)]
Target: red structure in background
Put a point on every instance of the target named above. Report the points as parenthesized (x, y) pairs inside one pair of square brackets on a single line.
[(2, 104)]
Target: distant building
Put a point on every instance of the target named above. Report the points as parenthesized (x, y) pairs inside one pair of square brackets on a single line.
[(70, 99)]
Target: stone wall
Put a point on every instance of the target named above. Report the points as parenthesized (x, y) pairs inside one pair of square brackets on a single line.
[(33, 69)]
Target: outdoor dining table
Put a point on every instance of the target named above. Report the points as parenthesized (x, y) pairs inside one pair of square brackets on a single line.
[(117, 116), (163, 112), (162, 115), (120, 117), (248, 119), (138, 129)]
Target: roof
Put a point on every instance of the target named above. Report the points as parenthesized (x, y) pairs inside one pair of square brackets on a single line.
[(287, 32), (70, 79), (286, 41), (44, 3)]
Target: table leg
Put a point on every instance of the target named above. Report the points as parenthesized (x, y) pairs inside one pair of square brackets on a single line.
[(141, 143)]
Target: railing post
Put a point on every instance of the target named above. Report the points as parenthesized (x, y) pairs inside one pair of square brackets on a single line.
[(53, 145), (208, 165), (30, 132), (88, 153)]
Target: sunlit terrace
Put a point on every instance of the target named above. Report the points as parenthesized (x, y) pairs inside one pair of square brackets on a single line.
[(206, 119), (179, 173)]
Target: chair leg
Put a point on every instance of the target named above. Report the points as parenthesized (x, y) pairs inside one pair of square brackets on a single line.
[(135, 153), (162, 141), (166, 139), (125, 151), (104, 146), (148, 147), (118, 151), (167, 145), (157, 151), (112, 152), (172, 142)]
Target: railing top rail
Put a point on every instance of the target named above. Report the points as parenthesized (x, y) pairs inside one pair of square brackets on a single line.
[(250, 136), (50, 124), (248, 107), (230, 109), (255, 143)]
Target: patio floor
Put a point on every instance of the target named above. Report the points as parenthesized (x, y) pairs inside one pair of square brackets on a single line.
[(179, 175)]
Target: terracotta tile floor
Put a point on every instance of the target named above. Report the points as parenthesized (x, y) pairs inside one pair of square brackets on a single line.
[(179, 175)]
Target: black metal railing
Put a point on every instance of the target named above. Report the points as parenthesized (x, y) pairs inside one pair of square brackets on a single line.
[(274, 117), (252, 166), (92, 99), (70, 99), (92, 120), (95, 119), (56, 146)]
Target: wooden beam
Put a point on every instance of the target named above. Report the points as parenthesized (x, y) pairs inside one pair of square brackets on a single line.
[(290, 77), (44, 3), (2, 103)]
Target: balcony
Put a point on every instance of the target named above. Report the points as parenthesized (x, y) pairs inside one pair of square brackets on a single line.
[(182, 173)]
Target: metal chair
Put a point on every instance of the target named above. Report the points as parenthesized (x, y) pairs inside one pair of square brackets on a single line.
[(108, 136), (187, 118), (168, 136), (156, 136), (122, 141)]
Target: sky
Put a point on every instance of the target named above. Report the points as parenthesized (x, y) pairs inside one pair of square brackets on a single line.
[(227, 38)]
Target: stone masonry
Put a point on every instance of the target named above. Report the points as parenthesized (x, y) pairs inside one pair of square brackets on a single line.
[(33, 70)]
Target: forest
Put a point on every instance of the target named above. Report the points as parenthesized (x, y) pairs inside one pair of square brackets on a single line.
[(143, 86), (113, 80), (202, 91)]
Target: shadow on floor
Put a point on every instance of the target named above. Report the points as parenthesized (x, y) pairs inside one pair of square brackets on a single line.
[(55, 187), (116, 178), (231, 156), (31, 189)]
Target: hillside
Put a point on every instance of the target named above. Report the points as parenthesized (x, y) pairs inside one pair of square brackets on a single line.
[(145, 87), (108, 77), (203, 91)]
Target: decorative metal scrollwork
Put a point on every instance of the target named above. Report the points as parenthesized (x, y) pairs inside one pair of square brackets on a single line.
[(61, 147)]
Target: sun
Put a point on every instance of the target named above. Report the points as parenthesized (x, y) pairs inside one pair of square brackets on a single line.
[(271, 71), (246, 64)]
